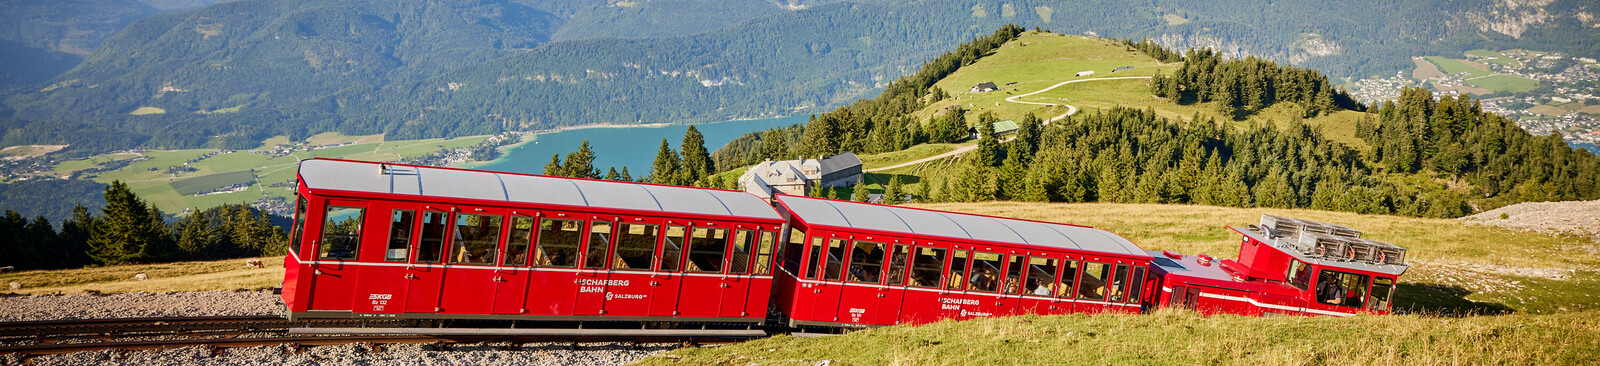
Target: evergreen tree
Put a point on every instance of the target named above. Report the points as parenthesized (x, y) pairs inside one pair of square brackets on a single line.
[(611, 174), (665, 168), (195, 241), (858, 191), (553, 168), (580, 164), (625, 176), (131, 231), (774, 146), (988, 152), (697, 162), (894, 193)]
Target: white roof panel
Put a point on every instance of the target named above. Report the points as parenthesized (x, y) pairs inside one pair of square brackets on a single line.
[(954, 225), (483, 185)]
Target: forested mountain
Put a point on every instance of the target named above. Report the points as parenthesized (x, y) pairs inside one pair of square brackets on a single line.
[(42, 38), (233, 73)]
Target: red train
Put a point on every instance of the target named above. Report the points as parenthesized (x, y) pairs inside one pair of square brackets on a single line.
[(402, 241)]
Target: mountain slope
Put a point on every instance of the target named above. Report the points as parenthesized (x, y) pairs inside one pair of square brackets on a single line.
[(42, 38)]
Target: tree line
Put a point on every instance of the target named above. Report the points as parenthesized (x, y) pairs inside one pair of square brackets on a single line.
[(1241, 87), (129, 230)]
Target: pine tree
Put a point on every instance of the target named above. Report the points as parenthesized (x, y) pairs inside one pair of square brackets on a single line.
[(665, 169), (130, 231), (773, 145), (895, 193), (553, 168), (988, 152), (625, 176), (612, 174), (858, 191), (580, 164), (194, 240), (697, 162)]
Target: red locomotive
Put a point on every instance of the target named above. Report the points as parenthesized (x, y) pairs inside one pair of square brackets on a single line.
[(402, 241)]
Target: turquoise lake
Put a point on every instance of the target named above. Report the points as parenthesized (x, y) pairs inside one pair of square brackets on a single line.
[(631, 147)]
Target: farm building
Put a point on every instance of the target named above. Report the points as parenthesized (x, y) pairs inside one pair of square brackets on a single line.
[(797, 176), (1001, 128), (1085, 73), (1122, 68), (985, 87)]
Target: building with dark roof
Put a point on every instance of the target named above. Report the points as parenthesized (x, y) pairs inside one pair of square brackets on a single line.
[(796, 177), (985, 87)]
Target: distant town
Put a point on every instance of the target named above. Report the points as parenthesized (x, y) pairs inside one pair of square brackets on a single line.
[(1545, 92)]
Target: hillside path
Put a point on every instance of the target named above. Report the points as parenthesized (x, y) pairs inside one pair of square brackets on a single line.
[(1071, 110)]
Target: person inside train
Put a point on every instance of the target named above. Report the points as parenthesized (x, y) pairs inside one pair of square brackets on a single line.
[(1331, 290), (1039, 288), (985, 278)]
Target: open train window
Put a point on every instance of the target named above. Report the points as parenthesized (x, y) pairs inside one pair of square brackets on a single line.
[(958, 271), (1382, 292), (707, 248), (299, 226), (764, 255), (476, 240), (517, 244), (1041, 276), (400, 224), (558, 243), (1119, 283), (866, 262), (739, 256), (672, 248), (897, 264), (1093, 284), (599, 245), (1069, 277), (793, 251), (1299, 274), (1137, 283), (986, 272), (834, 261), (926, 267), (1341, 288), (341, 232), (1013, 284), (432, 242), (636, 246), (816, 259)]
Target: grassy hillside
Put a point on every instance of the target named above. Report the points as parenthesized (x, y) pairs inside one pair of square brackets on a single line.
[(228, 274), (1178, 338)]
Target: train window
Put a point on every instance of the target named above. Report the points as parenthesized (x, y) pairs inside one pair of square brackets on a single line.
[(476, 240), (672, 248), (1137, 283), (1340, 288), (1069, 277), (341, 232), (707, 248), (299, 225), (1299, 274), (599, 244), (558, 243), (927, 267), (897, 264), (866, 262), (432, 243), (958, 272), (816, 259), (1382, 291), (793, 251), (1041, 276), (986, 271), (835, 260), (1093, 284), (764, 252), (400, 224), (636, 246), (1119, 283), (517, 244), (739, 259), (1013, 283)]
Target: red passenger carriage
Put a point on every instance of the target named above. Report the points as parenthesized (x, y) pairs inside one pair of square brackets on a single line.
[(386, 240), (855, 264)]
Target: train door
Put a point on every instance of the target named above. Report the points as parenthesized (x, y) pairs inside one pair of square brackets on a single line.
[(552, 282), (668, 277), (383, 284), (1117, 293), (923, 300), (1138, 289), (628, 290), (511, 277), (1093, 287), (593, 268), (1039, 284), (1185, 297), (1011, 288), (425, 272), (894, 286), (470, 277), (830, 284), (863, 281), (984, 282), (1066, 291), (766, 261), (736, 285), (953, 303), (810, 283), (703, 284), (338, 245)]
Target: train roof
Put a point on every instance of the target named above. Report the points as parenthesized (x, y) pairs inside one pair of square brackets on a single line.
[(895, 219), (1287, 248), (368, 177)]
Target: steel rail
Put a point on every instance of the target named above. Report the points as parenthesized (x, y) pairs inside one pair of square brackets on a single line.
[(76, 327)]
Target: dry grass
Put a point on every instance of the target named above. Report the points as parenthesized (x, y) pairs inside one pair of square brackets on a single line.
[(229, 274), (1425, 70), (1181, 338)]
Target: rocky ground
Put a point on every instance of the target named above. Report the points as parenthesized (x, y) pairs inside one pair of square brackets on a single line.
[(231, 303), (1581, 218)]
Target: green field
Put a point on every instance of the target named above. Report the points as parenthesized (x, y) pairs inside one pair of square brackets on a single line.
[(1511, 83), (1452, 67), (191, 186)]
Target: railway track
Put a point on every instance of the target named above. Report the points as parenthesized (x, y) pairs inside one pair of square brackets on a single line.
[(35, 338)]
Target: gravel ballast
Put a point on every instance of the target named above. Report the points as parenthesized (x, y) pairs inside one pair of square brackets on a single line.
[(360, 354), (139, 305)]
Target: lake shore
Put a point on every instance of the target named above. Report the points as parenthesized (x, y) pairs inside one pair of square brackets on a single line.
[(532, 137)]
